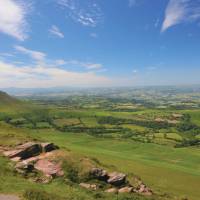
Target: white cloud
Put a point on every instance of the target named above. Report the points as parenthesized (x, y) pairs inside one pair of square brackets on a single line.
[(36, 55), (92, 65), (41, 57), (87, 13), (87, 65), (13, 18), (39, 76), (180, 11), (6, 54), (56, 31)]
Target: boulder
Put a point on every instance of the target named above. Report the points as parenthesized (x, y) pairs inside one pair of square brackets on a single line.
[(143, 189), (99, 174), (25, 151), (117, 179), (47, 147), (31, 160), (16, 159), (89, 186), (127, 189), (23, 168), (49, 168), (112, 190)]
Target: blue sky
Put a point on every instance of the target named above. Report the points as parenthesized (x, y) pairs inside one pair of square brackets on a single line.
[(99, 42)]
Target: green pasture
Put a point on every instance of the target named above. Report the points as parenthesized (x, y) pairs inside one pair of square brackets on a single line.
[(164, 168)]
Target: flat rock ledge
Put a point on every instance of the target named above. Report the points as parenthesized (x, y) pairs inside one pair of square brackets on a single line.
[(117, 182), (35, 156)]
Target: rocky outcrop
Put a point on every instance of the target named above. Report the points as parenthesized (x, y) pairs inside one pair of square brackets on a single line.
[(24, 151), (99, 174), (49, 168), (47, 147), (143, 189), (116, 179), (29, 150), (34, 156), (24, 168), (118, 182)]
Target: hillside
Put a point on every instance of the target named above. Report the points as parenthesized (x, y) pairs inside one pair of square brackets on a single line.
[(7, 100), (10, 104)]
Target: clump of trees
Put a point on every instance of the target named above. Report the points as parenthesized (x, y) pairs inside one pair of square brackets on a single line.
[(149, 124), (188, 127), (187, 143)]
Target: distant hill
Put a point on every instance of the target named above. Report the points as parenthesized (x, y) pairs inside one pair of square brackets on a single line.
[(7, 100)]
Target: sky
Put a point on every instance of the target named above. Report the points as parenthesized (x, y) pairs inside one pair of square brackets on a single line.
[(99, 43)]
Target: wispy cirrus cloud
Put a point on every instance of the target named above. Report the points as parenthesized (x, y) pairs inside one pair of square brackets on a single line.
[(36, 55), (180, 11), (13, 14), (86, 65), (87, 13), (54, 30), (41, 57)]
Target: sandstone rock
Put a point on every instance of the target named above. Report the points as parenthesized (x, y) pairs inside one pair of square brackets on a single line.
[(49, 168), (89, 186), (25, 151), (143, 189), (116, 179), (2, 149), (99, 174), (28, 150), (31, 160), (16, 159), (112, 190), (23, 167), (47, 147), (11, 153), (126, 189)]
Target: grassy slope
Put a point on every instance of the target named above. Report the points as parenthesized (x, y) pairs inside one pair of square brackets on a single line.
[(12, 183), (176, 171)]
